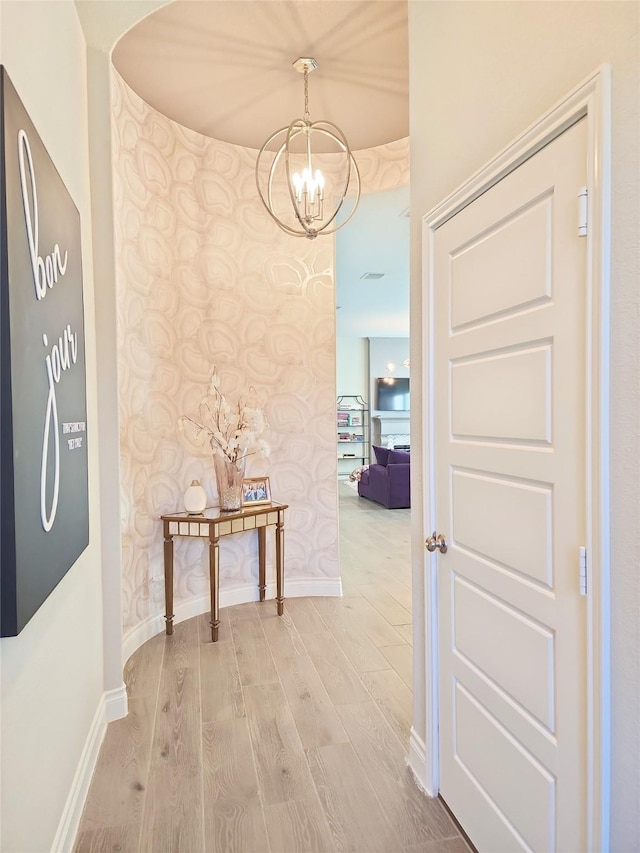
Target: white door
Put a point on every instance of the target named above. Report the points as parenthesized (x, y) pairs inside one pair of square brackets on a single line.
[(509, 423)]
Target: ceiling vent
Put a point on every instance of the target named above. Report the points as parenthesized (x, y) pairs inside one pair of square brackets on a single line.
[(372, 276)]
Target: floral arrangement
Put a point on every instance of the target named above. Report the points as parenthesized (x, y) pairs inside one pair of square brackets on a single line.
[(232, 431)]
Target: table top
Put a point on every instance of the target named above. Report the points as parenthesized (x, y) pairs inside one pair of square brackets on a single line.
[(214, 513)]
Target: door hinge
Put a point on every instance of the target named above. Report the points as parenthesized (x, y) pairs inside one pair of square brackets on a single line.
[(582, 212), (583, 571)]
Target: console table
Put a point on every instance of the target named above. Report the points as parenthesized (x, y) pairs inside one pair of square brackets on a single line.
[(212, 524)]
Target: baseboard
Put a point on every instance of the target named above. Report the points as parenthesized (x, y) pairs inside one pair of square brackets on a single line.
[(70, 820), (294, 588), (116, 704), (417, 761), (152, 625), (310, 587)]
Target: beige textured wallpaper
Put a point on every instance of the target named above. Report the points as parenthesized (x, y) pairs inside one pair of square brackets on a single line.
[(205, 278)]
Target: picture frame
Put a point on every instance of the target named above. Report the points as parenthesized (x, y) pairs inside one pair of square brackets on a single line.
[(256, 490)]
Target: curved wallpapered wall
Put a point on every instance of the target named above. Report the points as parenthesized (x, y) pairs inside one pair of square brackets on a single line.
[(205, 277)]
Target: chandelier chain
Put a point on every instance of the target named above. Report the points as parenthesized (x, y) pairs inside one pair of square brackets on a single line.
[(306, 94)]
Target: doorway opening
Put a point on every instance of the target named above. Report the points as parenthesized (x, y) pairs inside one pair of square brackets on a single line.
[(373, 376)]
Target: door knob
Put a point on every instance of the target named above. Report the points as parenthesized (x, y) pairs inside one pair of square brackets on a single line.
[(436, 542)]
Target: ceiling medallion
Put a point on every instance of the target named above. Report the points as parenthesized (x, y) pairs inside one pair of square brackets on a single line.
[(303, 200)]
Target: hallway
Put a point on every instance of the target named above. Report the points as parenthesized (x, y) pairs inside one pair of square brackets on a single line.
[(289, 734)]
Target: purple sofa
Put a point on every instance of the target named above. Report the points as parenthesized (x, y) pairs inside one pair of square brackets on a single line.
[(387, 482)]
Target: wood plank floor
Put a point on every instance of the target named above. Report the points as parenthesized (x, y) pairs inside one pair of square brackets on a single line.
[(290, 734)]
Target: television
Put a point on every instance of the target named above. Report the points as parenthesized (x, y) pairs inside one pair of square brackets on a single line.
[(392, 394)]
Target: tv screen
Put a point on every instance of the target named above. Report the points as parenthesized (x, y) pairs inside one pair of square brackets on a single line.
[(392, 394)]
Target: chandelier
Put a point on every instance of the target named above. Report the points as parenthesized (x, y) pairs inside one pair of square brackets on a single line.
[(311, 201)]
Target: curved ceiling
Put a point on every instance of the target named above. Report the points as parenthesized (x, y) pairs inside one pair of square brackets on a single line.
[(224, 67)]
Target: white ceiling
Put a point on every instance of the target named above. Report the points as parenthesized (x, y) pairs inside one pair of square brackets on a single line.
[(223, 68)]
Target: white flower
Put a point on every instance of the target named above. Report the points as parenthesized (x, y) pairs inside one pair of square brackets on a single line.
[(232, 431)]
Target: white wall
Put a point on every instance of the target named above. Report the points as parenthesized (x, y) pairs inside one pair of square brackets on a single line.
[(480, 73), (52, 672), (352, 367)]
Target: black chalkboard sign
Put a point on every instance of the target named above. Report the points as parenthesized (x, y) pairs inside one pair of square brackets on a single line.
[(44, 511)]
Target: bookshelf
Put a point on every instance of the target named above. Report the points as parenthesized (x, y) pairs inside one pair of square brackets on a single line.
[(352, 430)]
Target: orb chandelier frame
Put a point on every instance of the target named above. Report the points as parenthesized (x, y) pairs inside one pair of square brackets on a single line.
[(306, 190)]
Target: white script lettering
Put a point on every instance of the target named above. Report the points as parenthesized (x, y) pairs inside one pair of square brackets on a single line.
[(63, 354), (45, 272)]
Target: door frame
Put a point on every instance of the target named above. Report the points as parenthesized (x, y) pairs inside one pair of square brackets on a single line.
[(591, 100)]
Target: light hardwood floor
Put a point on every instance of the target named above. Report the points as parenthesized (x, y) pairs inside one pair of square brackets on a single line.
[(289, 734)]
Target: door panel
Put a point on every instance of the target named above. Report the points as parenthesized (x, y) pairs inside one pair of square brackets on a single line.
[(518, 384), (509, 386), (509, 519), (503, 769), (530, 687), (512, 282)]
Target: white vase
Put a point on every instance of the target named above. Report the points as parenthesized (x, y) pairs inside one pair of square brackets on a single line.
[(195, 498)]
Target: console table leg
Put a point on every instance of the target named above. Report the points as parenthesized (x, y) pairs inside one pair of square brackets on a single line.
[(280, 563), (214, 581), (168, 579), (262, 561)]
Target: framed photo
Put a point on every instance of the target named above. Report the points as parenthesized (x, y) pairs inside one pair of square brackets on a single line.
[(355, 420), (256, 490)]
